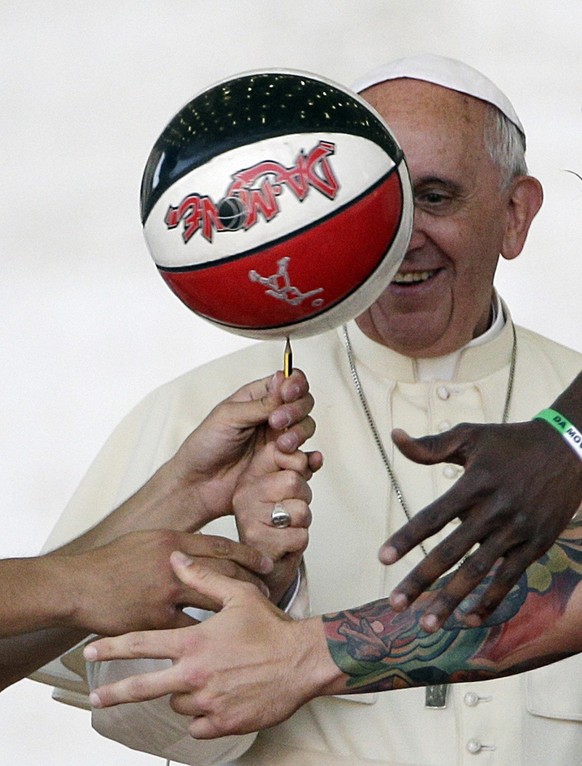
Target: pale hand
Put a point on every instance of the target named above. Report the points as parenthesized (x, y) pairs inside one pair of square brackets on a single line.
[(214, 456), (274, 477), (246, 668)]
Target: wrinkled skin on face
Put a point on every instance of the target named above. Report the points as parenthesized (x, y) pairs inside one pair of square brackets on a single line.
[(464, 219)]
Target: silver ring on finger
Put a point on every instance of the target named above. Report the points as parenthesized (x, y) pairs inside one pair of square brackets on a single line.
[(280, 518)]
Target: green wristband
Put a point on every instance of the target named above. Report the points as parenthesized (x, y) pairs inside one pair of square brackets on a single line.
[(569, 432)]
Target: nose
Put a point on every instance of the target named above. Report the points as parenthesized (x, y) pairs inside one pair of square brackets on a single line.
[(418, 237)]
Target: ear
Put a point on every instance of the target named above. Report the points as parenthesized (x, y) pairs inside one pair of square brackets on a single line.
[(524, 199)]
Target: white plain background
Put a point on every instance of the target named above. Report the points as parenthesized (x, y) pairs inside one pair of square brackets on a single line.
[(88, 327)]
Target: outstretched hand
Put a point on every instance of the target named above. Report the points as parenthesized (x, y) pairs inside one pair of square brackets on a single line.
[(247, 667), (513, 500)]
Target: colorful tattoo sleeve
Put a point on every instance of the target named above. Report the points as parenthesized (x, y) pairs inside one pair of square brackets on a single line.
[(379, 649)]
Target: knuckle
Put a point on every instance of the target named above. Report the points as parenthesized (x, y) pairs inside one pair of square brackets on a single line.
[(484, 481), (522, 522), (475, 568), (166, 538), (302, 461), (136, 644), (486, 606), (222, 547), (422, 525), (301, 542), (294, 484), (252, 533), (194, 678), (445, 603), (296, 541), (183, 704), (413, 584), (307, 516), (506, 576), (137, 687), (446, 553)]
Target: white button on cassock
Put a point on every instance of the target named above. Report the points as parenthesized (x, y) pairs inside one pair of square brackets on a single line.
[(443, 393), (474, 746), (471, 699)]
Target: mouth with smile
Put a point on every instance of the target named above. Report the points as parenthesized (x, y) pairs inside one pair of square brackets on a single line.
[(410, 279)]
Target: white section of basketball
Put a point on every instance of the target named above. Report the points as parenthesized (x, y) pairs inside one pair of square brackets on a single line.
[(357, 164)]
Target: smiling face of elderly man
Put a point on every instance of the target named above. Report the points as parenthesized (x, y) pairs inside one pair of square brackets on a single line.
[(467, 213)]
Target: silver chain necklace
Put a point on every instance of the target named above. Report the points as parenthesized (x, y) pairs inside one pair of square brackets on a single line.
[(436, 695)]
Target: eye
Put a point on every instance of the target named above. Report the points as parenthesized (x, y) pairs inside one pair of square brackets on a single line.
[(438, 201), (431, 198)]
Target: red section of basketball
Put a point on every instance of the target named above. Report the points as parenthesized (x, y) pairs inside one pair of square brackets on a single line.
[(355, 241)]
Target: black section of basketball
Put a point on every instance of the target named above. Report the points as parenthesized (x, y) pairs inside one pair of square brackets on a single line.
[(231, 212), (251, 108)]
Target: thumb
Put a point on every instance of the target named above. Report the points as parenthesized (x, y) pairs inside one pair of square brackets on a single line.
[(428, 450), (249, 406), (220, 589)]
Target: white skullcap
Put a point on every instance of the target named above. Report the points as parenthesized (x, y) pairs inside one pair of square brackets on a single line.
[(446, 72)]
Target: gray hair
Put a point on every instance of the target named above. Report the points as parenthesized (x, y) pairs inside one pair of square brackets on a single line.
[(505, 144)]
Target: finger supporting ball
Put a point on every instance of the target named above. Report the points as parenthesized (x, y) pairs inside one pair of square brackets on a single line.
[(276, 204)]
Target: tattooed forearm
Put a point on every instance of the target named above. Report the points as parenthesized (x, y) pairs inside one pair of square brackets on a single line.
[(378, 648)]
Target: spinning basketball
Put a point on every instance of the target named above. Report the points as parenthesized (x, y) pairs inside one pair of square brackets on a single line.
[(276, 204)]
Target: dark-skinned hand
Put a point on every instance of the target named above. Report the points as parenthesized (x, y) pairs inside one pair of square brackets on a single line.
[(521, 486)]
